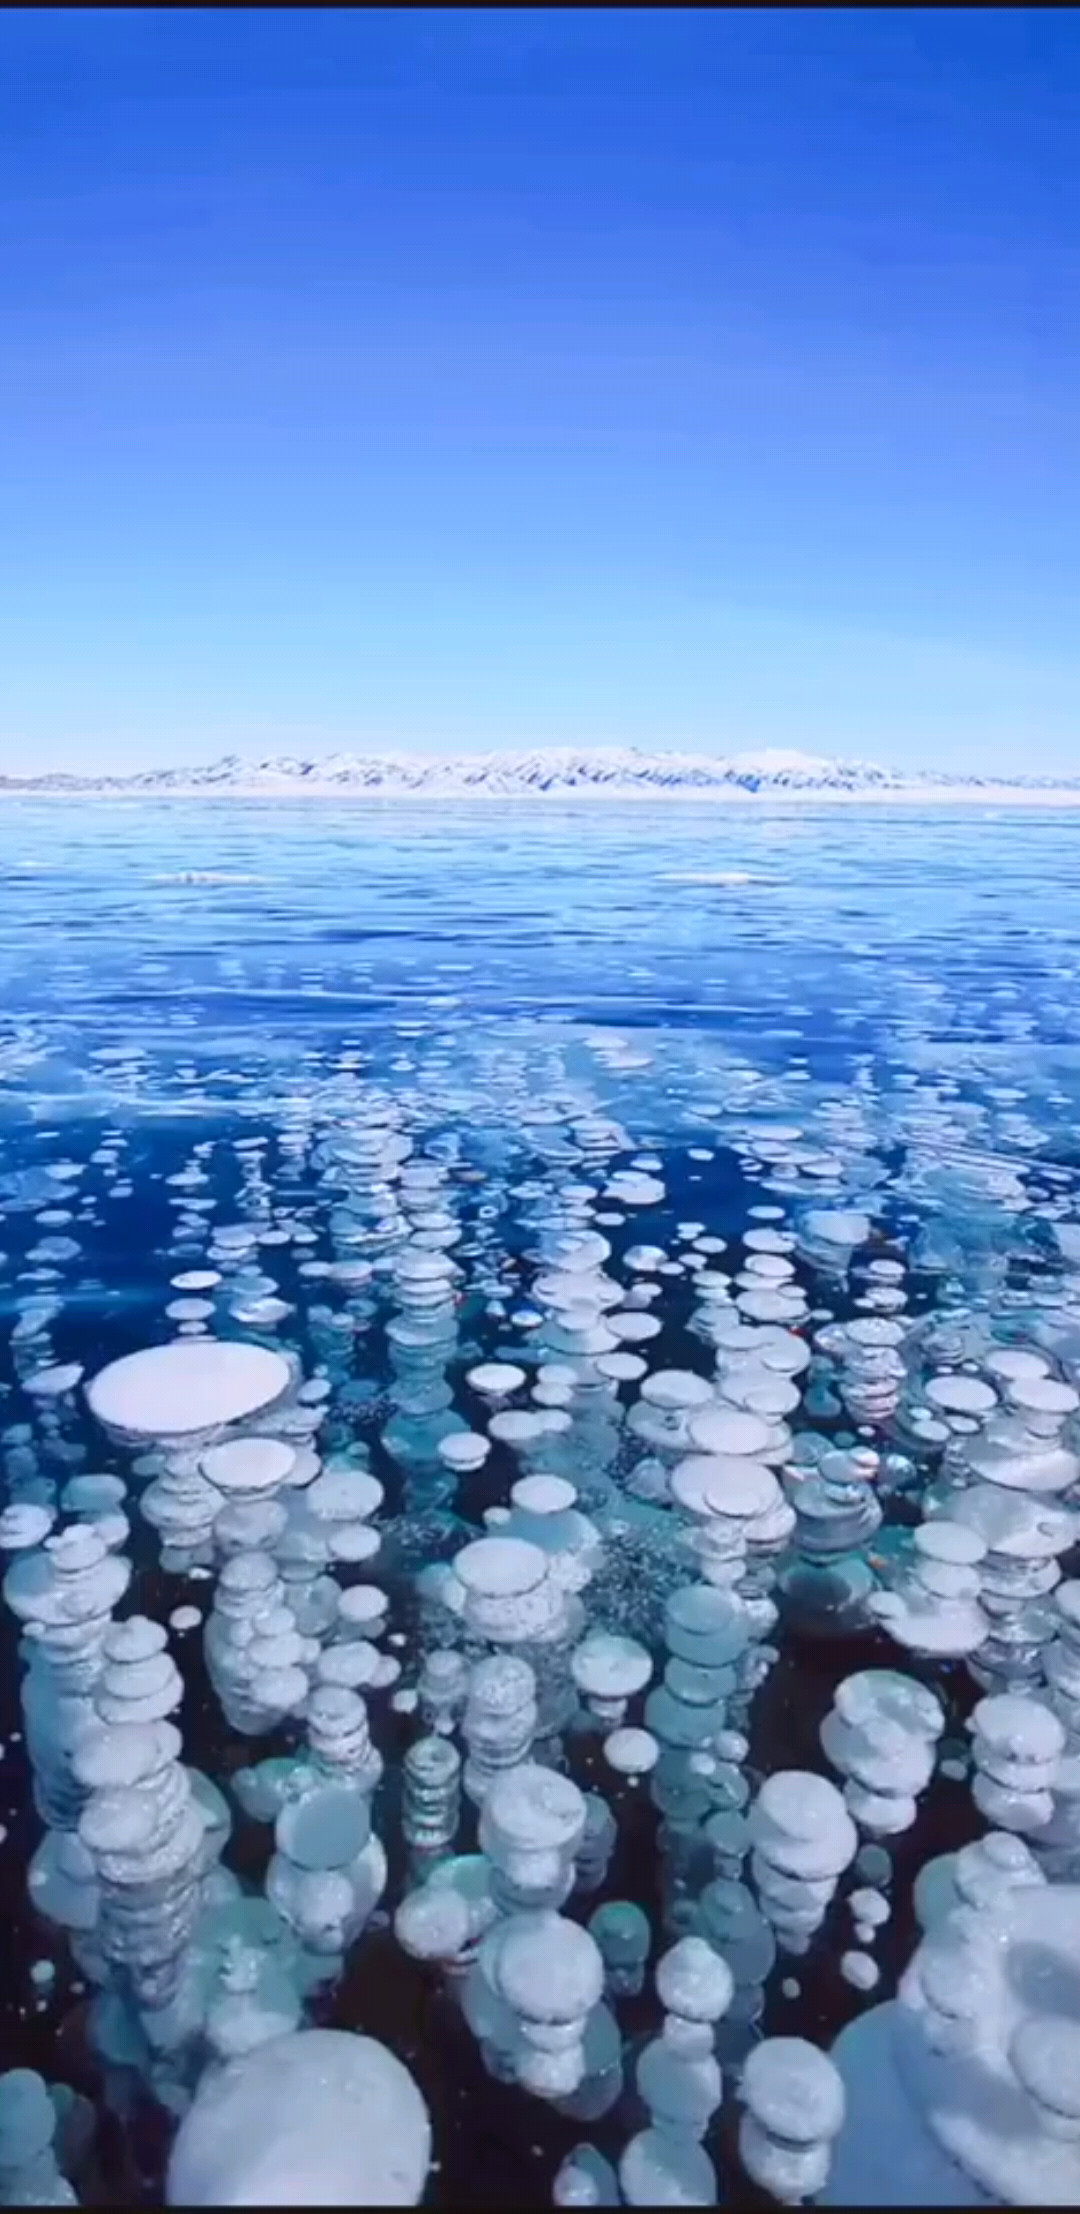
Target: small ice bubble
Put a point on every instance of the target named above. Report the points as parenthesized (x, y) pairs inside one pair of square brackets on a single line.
[(870, 1906), (860, 1970), (874, 1864), (496, 1379), (631, 1752)]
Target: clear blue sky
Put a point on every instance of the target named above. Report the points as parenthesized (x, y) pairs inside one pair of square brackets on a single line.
[(471, 379)]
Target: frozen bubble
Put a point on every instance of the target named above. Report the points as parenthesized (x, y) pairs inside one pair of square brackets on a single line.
[(520, 1426), (770, 1267), (768, 1241), (1042, 1469), (531, 1808), (870, 1906), (1042, 1395), (353, 1664), (834, 1226), (187, 1388), (952, 1543), (558, 1372), (694, 1981), (677, 1388), (661, 2169), (874, 1864), (24, 1525), (714, 1484), (609, 1666), (1015, 1523), (800, 1823), (730, 1432), (935, 1894), (631, 1752), (248, 1465), (642, 1259), (362, 1610), (543, 1495), (184, 1618), (314, 2118), (261, 1314), (343, 1494), (463, 1450), (860, 1970), (352, 1542), (552, 1395), (500, 1567), (961, 1395), (632, 1327), (315, 1392), (772, 1306), (731, 1745), (793, 2090), (770, 1397), (549, 1969), (54, 1383), (27, 2116), (703, 1622), (1045, 2053), (93, 1495), (621, 1368), (1013, 1360), (496, 1379), (1020, 1728)]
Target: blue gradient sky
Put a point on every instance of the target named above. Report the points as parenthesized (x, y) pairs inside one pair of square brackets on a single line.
[(466, 379)]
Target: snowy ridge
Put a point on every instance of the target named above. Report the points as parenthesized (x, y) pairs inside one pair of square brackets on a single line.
[(612, 772)]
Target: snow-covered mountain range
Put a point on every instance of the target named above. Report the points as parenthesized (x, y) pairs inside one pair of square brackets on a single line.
[(610, 772)]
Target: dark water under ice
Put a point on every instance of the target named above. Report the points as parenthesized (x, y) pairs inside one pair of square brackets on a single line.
[(900, 986)]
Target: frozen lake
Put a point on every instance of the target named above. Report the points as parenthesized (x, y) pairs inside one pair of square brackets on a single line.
[(655, 1091), (826, 933)]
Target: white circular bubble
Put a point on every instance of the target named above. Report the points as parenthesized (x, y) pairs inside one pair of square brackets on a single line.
[(184, 1389), (314, 2118)]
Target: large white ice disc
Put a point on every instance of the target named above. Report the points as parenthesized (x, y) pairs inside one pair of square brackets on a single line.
[(316, 2118), (191, 1386)]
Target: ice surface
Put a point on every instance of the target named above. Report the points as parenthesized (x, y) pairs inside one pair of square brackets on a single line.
[(390, 1152)]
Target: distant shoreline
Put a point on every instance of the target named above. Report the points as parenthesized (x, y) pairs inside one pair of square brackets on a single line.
[(960, 795)]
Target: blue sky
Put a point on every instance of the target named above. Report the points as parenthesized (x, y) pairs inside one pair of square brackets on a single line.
[(467, 379)]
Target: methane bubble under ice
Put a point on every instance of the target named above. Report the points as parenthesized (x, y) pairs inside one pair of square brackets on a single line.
[(316, 2118), (183, 1389)]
